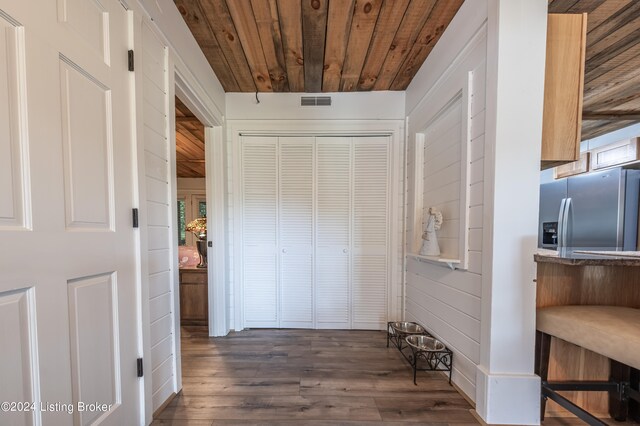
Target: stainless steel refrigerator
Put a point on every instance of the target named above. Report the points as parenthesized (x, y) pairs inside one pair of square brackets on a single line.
[(596, 211)]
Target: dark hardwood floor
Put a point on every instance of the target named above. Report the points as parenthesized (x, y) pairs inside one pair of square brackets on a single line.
[(306, 377)]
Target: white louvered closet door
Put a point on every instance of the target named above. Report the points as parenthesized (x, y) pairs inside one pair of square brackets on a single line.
[(315, 232), (260, 231), (296, 231), (370, 221), (333, 232)]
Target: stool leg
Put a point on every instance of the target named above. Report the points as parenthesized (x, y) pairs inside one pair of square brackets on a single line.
[(618, 409), (634, 406), (543, 349)]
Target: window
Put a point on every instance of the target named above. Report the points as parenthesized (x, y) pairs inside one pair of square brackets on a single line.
[(190, 207)]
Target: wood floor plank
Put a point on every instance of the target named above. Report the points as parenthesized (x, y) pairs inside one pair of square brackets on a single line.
[(274, 408), (376, 387), (421, 410), (215, 386)]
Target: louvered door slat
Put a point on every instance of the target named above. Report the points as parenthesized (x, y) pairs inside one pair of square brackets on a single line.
[(370, 232), (260, 231), (296, 232), (333, 232)]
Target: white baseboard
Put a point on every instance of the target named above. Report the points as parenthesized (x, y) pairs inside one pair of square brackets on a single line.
[(508, 398)]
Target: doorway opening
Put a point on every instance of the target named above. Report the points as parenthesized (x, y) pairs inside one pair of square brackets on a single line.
[(191, 214)]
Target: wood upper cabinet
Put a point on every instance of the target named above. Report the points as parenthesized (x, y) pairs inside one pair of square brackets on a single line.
[(563, 89)]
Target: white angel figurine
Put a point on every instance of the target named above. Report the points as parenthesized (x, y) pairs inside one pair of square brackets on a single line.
[(430, 245)]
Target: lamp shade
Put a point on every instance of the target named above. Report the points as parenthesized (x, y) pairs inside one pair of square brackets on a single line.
[(198, 227)]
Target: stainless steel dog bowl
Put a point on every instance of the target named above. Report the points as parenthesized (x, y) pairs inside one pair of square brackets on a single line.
[(408, 327), (425, 343)]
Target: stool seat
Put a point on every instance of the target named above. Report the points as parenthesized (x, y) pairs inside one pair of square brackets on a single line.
[(611, 331)]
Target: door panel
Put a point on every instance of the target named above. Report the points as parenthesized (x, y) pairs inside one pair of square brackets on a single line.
[(88, 148), (19, 357), (333, 232), (14, 189), (597, 205), (296, 231), (68, 280), (90, 21), (370, 232), (260, 231), (95, 352), (551, 195)]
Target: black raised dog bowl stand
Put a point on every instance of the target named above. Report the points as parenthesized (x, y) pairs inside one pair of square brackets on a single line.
[(420, 360)]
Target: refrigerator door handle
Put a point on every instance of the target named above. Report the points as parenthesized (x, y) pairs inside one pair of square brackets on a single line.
[(566, 238), (561, 217)]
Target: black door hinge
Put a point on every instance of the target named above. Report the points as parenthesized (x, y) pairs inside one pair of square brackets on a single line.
[(134, 213), (131, 60), (140, 370)]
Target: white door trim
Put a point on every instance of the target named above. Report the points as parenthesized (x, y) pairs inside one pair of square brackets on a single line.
[(215, 155), (394, 128)]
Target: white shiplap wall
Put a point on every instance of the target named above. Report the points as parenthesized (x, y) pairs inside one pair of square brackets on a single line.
[(157, 206), (448, 302)]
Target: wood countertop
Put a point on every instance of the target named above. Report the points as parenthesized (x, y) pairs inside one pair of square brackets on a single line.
[(579, 257)]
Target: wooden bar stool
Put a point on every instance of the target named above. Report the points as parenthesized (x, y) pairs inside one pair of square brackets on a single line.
[(611, 331)]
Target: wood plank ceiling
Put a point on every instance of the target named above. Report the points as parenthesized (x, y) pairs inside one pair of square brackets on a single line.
[(361, 45), (189, 143), (612, 69), (316, 45)]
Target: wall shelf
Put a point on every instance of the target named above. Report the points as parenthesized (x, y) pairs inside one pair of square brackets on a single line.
[(453, 264)]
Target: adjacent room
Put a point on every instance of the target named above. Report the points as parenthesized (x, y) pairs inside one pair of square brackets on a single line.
[(323, 212)]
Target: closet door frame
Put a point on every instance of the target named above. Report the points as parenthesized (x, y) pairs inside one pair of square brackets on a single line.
[(395, 129)]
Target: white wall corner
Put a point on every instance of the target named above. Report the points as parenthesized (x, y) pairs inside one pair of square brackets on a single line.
[(501, 398), (516, 46)]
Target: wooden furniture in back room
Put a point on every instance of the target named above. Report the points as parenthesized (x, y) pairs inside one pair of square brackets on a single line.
[(194, 296)]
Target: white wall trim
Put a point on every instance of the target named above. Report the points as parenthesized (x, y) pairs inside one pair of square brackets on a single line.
[(502, 393), (463, 96), (393, 128), (173, 183), (215, 153)]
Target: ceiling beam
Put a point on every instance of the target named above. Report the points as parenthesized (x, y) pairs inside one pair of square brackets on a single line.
[(611, 115)]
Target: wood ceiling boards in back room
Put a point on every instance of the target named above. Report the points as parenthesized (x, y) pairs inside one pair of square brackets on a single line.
[(316, 45), (189, 143), (612, 69)]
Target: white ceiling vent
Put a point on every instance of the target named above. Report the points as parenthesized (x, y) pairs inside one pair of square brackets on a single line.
[(315, 101)]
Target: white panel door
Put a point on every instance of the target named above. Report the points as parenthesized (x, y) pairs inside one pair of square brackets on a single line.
[(296, 231), (260, 231), (333, 232), (67, 286), (370, 221)]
